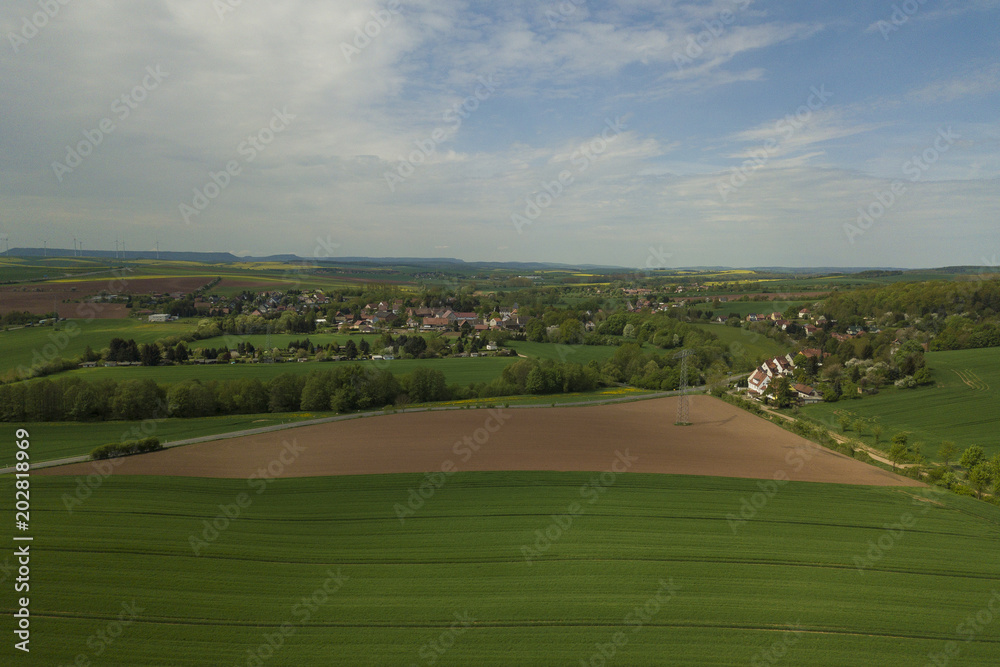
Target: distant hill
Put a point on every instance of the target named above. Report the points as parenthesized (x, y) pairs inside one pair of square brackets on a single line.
[(449, 262)]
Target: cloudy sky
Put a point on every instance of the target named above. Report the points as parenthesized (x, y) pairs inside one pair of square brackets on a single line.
[(634, 133)]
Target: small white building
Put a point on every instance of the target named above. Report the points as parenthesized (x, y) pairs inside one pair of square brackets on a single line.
[(159, 317)]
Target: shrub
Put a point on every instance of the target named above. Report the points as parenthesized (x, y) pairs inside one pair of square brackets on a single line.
[(115, 449)]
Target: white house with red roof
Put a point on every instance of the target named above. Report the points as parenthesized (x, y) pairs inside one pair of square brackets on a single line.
[(761, 378)]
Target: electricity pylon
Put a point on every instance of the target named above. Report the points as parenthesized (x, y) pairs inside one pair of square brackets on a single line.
[(683, 401)]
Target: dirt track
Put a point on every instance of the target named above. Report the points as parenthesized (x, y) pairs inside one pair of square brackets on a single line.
[(722, 441)]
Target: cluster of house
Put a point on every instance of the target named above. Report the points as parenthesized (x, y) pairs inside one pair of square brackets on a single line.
[(778, 319), (761, 382), (427, 319)]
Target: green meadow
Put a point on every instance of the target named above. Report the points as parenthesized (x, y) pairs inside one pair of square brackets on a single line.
[(506, 569), (744, 308), (25, 346), (961, 406), (56, 440), (747, 347)]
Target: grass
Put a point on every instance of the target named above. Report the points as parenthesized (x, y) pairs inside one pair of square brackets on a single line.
[(752, 346), (55, 440), (579, 354), (25, 346), (949, 410), (19, 269), (738, 593), (457, 370), (744, 308)]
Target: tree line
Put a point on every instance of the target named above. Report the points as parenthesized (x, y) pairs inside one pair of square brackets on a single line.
[(341, 388)]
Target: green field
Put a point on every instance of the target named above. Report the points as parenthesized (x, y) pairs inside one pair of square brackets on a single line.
[(577, 354), (20, 269), (457, 370), (744, 308), (949, 410), (27, 345), (752, 347), (56, 440), (382, 592)]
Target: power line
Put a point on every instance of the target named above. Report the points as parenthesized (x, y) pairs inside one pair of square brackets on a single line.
[(683, 400)]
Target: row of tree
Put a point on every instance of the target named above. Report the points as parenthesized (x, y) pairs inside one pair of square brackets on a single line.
[(341, 387)]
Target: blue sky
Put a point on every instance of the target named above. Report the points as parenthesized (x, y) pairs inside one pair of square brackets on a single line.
[(632, 133)]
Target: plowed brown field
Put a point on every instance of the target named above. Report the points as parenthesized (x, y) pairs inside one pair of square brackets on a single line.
[(43, 297), (722, 441)]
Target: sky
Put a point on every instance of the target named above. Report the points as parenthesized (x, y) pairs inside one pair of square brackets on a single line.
[(639, 133)]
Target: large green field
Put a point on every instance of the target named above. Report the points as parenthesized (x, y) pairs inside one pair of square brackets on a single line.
[(578, 354), (749, 347), (324, 571), (20, 269), (744, 308), (457, 370), (961, 406), (27, 346), (56, 440)]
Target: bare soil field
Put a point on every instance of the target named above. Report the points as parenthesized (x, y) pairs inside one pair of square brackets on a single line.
[(43, 297), (722, 441)]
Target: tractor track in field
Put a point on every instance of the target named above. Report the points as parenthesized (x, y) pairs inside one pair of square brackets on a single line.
[(525, 623), (971, 379)]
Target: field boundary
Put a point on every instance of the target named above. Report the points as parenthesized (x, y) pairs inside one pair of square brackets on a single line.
[(378, 413)]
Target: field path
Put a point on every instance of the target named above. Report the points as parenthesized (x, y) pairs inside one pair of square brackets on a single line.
[(843, 439), (637, 436)]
